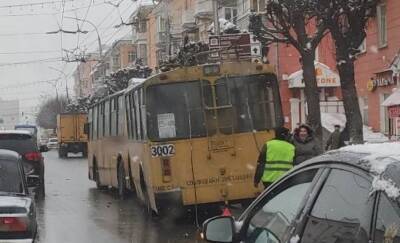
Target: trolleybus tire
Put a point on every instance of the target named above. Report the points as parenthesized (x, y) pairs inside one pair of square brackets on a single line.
[(96, 176), (122, 192)]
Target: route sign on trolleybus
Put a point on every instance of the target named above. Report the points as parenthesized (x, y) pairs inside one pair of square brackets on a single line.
[(241, 46)]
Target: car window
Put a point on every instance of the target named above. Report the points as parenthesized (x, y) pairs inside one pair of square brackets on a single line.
[(276, 214), (20, 143), (388, 222), (10, 177), (342, 211)]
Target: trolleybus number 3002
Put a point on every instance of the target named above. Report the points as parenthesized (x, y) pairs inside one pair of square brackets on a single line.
[(162, 150)]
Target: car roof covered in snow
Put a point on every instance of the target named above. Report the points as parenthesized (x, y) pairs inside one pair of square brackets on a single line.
[(382, 161)]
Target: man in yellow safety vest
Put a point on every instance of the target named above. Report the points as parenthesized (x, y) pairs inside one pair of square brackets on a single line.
[(275, 159)]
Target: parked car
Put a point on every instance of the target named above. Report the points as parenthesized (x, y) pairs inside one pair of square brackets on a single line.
[(17, 209), (349, 195), (24, 143), (52, 143)]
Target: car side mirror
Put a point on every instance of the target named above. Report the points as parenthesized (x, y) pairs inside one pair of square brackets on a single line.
[(33, 180), (86, 128), (43, 148), (219, 229)]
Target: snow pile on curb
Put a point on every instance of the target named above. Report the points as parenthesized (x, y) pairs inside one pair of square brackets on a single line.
[(381, 156), (329, 120)]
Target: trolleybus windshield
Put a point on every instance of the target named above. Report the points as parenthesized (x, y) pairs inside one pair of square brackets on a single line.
[(188, 110), (175, 111), (250, 101)]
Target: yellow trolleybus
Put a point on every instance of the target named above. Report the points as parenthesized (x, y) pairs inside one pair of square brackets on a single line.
[(192, 134)]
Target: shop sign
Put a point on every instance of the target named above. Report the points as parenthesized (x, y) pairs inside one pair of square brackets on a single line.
[(394, 111), (325, 77), (381, 81)]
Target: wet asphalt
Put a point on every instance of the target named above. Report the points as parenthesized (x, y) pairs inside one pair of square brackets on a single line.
[(74, 211)]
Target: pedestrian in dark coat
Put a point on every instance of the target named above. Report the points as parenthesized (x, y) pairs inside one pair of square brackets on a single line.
[(335, 140), (307, 146)]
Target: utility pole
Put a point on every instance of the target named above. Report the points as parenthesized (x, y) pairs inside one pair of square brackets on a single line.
[(216, 18)]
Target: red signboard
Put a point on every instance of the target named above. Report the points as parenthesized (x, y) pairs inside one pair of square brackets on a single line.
[(394, 111)]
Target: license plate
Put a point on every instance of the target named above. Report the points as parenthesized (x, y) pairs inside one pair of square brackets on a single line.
[(165, 150)]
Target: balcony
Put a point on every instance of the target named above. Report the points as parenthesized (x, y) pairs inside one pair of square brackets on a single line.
[(188, 20), (203, 9)]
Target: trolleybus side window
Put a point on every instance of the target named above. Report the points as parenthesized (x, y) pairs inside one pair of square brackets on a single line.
[(90, 123), (128, 116), (101, 120), (133, 116), (114, 116), (137, 114), (120, 118), (175, 111), (252, 99), (107, 118), (95, 121), (142, 114)]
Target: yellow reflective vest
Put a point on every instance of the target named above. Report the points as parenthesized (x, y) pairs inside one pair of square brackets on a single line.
[(279, 159)]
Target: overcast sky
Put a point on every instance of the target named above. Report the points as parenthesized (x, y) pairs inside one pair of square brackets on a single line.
[(27, 53)]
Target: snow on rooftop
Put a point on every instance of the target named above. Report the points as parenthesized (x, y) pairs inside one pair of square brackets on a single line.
[(329, 120), (381, 156)]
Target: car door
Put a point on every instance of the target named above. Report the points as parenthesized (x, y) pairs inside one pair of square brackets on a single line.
[(342, 211), (274, 217), (387, 227)]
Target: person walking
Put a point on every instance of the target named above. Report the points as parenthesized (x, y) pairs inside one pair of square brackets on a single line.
[(276, 157), (307, 146), (335, 140)]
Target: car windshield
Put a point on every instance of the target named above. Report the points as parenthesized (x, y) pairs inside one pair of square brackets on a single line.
[(20, 143), (10, 177)]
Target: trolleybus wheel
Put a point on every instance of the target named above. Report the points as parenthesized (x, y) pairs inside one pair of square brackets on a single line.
[(121, 181), (96, 176)]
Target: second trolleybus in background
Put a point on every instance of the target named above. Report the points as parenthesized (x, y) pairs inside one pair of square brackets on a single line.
[(192, 134)]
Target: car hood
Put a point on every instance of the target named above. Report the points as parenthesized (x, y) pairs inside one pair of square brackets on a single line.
[(8, 202)]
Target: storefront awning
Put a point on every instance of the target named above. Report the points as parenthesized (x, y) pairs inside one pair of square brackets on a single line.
[(393, 99), (325, 77)]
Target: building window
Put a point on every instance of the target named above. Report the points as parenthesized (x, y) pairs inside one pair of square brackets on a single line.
[(142, 28), (131, 56), (382, 25), (161, 24), (258, 5), (230, 14)]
